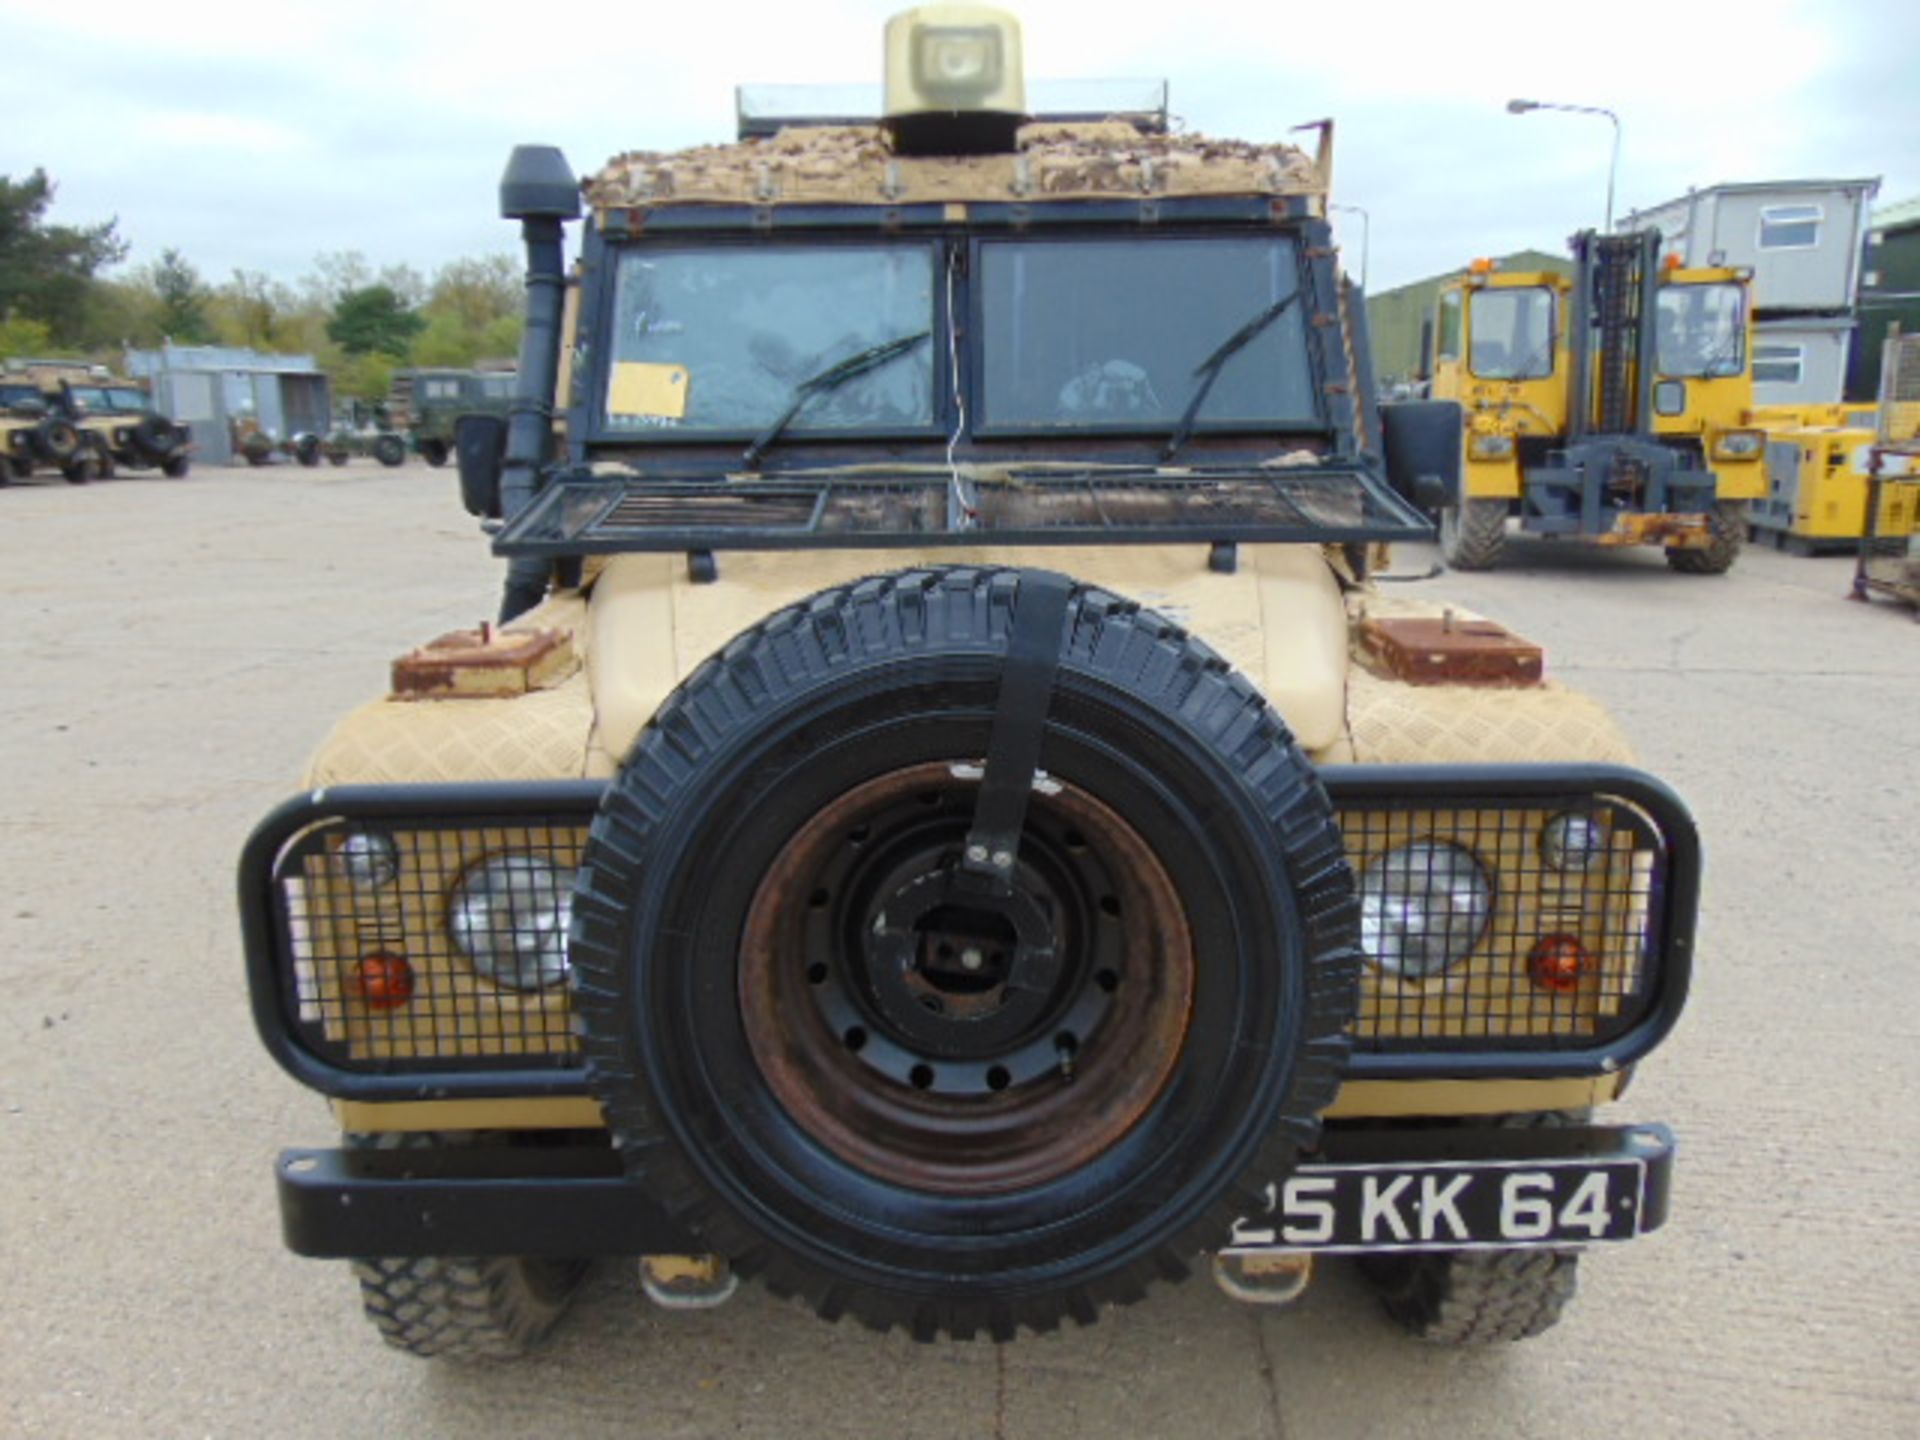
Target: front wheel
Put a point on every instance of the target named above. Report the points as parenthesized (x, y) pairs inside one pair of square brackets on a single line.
[(1727, 532), (1472, 533), (1476, 1298), (389, 450), (901, 1090), (434, 452), (175, 467), (461, 1307)]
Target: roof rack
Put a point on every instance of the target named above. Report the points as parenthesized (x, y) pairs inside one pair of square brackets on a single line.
[(762, 111), (584, 513)]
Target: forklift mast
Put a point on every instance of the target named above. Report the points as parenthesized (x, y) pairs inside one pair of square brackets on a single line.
[(1611, 333)]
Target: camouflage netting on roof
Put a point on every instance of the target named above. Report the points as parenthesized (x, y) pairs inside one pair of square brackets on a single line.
[(855, 165)]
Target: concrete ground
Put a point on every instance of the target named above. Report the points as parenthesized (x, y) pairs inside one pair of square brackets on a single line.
[(173, 649)]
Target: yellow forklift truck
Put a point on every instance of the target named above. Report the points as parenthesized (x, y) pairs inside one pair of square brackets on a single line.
[(1613, 405)]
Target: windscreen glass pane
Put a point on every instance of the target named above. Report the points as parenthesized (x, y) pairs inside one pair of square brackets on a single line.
[(1512, 334), (1702, 330), (719, 338), (1113, 334)]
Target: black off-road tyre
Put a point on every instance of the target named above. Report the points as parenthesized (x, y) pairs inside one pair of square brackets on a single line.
[(434, 452), (1728, 523), (58, 441), (390, 450), (176, 467), (337, 457), (461, 1307), (791, 724), (83, 467), (306, 450), (1472, 534), (1477, 1297), (154, 438), (1488, 1297)]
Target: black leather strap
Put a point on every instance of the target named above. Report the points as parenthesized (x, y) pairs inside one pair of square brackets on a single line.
[(1019, 725)]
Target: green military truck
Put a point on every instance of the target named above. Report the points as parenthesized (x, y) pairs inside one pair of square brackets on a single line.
[(426, 403)]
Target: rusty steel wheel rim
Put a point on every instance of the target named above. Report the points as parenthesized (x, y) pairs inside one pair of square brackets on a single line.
[(951, 1042)]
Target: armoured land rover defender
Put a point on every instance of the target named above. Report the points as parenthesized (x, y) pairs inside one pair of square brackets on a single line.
[(32, 435), (959, 835), (124, 426)]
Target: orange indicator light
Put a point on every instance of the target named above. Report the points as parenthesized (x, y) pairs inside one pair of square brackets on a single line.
[(1558, 962), (384, 981)]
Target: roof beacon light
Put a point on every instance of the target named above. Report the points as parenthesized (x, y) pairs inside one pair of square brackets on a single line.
[(955, 83)]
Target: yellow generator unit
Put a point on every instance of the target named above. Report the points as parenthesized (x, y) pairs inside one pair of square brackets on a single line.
[(1816, 499)]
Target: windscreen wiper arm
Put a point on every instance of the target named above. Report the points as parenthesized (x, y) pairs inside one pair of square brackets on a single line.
[(1208, 370), (831, 378)]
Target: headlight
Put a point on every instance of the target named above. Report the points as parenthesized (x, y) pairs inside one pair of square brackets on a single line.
[(369, 859), (509, 916), (1490, 447), (1738, 444), (1423, 907), (1572, 841)]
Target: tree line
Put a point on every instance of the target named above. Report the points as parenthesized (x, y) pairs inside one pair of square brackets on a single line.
[(360, 323)]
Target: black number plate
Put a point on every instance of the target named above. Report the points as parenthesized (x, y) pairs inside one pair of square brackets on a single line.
[(1486, 1205)]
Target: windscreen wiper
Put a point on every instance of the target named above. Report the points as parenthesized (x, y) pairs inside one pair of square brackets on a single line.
[(1208, 370), (831, 378)]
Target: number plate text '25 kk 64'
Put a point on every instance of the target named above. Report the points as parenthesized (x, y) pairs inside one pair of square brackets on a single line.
[(1499, 1205)]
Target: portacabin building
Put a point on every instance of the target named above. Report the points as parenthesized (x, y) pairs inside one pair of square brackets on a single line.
[(1802, 240)]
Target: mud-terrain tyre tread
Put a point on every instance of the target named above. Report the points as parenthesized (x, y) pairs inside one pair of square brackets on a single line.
[(1472, 534), (960, 614), (1490, 1297), (1728, 523), (461, 1307)]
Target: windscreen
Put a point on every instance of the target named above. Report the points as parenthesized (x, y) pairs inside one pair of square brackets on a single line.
[(1702, 330), (1512, 335), (1121, 333), (721, 338)]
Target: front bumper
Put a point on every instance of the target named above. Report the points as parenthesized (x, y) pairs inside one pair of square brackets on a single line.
[(1366, 1190)]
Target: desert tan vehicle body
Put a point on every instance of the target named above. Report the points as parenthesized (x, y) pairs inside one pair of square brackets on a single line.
[(930, 999), (33, 436), (120, 420)]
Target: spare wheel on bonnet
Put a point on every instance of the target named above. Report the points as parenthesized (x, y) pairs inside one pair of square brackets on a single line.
[(953, 1045)]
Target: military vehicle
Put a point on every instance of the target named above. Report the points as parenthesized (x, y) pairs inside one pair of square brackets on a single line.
[(950, 828), (364, 428), (32, 435), (426, 403), (127, 430), (1612, 406)]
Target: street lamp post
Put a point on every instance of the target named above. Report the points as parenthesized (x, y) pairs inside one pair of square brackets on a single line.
[(1366, 234), (1521, 107)]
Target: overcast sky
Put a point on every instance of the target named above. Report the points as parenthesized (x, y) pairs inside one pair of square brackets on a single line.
[(258, 135)]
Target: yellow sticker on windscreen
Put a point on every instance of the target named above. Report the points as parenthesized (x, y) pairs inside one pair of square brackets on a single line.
[(653, 392)]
